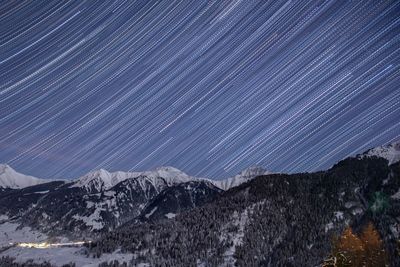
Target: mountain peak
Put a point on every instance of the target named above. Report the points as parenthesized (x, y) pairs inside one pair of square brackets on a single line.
[(244, 176), (168, 169), (4, 168), (98, 180), (253, 171), (390, 151), (9, 178), (99, 172)]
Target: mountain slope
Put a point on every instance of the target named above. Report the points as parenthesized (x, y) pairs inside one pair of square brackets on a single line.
[(101, 180), (273, 220), (178, 198), (242, 177), (98, 201), (9, 178), (390, 152), (14, 203), (167, 217), (75, 210)]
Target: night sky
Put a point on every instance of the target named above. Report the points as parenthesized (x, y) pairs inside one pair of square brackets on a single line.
[(209, 87)]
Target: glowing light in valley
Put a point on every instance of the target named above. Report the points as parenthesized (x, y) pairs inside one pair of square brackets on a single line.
[(44, 245)]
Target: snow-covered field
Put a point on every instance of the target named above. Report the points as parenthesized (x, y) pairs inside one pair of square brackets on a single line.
[(10, 234), (57, 256), (64, 255)]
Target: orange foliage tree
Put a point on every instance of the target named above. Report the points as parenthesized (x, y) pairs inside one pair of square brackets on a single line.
[(365, 250)]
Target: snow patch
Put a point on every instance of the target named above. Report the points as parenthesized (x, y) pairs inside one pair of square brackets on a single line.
[(89, 204), (395, 229), (10, 234), (396, 195), (328, 227), (350, 204), (391, 152), (357, 211), (64, 255), (170, 215), (151, 212), (339, 215), (94, 220), (38, 192), (245, 176), (386, 181)]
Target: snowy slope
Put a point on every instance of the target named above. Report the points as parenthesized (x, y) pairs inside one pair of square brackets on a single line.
[(102, 180), (104, 200), (9, 178), (391, 152), (242, 177)]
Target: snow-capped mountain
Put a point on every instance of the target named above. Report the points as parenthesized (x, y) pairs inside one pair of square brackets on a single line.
[(101, 200), (391, 152), (99, 180), (9, 178), (82, 210), (242, 177), (98, 201)]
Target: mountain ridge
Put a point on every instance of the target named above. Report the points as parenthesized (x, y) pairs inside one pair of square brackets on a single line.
[(101, 179), (97, 179), (390, 152)]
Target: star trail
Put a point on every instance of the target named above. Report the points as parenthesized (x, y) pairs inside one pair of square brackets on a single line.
[(209, 87)]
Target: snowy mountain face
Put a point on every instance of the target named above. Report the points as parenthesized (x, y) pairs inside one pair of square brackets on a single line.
[(100, 180), (98, 201), (9, 178), (245, 176), (391, 152), (86, 211), (101, 201)]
